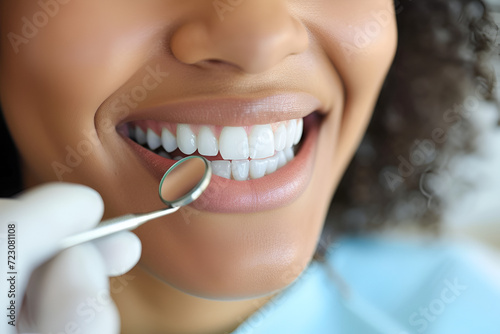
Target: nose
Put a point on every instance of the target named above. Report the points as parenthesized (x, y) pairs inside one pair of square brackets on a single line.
[(252, 35)]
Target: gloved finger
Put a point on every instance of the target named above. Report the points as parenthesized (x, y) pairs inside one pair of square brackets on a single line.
[(70, 207), (52, 212), (70, 294), (120, 252)]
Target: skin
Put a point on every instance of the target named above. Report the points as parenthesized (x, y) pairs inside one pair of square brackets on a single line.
[(57, 91)]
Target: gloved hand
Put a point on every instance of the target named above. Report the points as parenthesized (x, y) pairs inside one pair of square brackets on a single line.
[(64, 292)]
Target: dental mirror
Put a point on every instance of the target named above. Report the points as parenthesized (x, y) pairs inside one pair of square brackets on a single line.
[(182, 184), (185, 181)]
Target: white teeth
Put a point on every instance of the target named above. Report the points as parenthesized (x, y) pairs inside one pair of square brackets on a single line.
[(281, 159), (221, 168), (186, 139), (168, 140), (240, 169), (272, 164), (298, 132), (154, 140), (288, 154), (258, 168), (290, 133), (246, 156), (207, 143), (140, 136), (233, 143), (280, 138), (261, 142)]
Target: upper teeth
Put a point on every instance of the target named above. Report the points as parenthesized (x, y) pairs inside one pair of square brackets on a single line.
[(234, 143)]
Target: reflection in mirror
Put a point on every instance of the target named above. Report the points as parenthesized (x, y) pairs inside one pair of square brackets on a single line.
[(185, 181)]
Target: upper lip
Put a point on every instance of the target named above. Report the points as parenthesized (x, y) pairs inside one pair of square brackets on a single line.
[(231, 111)]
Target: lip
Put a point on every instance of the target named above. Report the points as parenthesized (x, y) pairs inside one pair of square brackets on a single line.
[(232, 111), (269, 192)]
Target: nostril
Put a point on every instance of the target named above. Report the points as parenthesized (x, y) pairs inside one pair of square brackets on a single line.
[(215, 61), (217, 64)]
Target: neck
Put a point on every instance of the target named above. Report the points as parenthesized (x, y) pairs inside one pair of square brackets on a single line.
[(148, 305)]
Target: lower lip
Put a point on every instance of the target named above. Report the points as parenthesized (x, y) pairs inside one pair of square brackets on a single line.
[(266, 193)]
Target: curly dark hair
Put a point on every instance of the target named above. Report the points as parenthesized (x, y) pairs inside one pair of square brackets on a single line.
[(439, 74)]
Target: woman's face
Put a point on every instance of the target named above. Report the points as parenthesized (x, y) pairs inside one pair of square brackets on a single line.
[(82, 82)]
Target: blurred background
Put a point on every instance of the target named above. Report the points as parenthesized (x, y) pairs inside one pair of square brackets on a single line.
[(476, 212)]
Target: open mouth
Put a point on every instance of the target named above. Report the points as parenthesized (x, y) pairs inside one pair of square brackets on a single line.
[(239, 153), (262, 151)]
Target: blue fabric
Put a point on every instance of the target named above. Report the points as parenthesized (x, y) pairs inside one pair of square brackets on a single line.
[(382, 285)]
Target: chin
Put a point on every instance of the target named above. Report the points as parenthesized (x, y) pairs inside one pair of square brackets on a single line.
[(252, 232)]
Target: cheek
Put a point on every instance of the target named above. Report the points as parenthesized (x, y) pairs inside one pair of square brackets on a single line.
[(360, 39), (56, 70), (81, 47)]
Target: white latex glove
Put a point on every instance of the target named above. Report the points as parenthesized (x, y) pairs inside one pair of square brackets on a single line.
[(65, 292)]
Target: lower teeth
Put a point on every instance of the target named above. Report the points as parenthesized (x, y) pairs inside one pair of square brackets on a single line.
[(243, 170)]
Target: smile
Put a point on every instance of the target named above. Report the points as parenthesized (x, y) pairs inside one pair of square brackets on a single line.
[(238, 153), (262, 151)]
